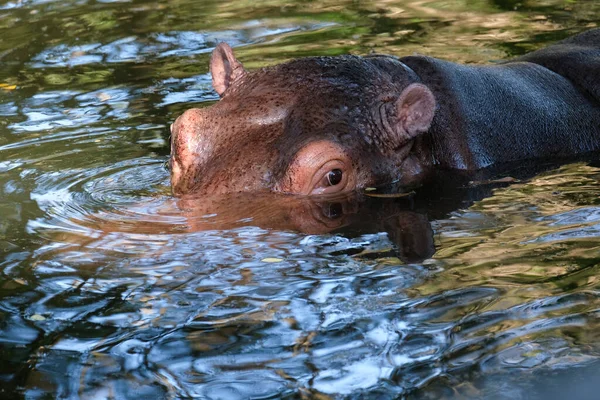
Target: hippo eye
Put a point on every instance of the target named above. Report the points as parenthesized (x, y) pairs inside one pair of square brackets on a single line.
[(320, 167), (334, 177), (330, 178)]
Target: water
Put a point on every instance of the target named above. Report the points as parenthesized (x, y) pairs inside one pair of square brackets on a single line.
[(111, 288)]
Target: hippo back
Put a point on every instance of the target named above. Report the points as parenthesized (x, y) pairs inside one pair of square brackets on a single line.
[(576, 58)]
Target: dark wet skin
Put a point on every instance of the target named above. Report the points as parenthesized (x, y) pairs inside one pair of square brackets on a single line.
[(327, 125)]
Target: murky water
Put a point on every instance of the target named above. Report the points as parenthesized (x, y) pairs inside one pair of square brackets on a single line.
[(110, 288)]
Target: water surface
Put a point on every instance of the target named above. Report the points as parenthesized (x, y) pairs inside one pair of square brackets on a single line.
[(110, 288)]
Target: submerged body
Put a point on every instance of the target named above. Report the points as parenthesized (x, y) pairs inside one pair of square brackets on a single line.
[(334, 124)]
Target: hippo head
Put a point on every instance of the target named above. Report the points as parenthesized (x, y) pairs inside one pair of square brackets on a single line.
[(319, 125)]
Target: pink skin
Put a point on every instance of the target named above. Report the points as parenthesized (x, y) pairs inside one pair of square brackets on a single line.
[(301, 128)]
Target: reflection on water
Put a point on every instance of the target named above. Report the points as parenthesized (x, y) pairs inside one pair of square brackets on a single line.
[(111, 288)]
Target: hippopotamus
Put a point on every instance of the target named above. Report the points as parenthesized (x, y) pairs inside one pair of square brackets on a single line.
[(328, 125)]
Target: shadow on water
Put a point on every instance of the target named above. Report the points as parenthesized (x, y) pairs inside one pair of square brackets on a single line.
[(470, 287)]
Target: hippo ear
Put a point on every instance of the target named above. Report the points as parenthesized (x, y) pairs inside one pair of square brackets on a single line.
[(414, 109), (225, 68)]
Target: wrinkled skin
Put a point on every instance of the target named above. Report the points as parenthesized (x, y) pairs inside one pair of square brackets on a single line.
[(327, 125)]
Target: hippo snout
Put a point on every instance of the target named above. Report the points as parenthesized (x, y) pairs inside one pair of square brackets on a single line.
[(187, 149)]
